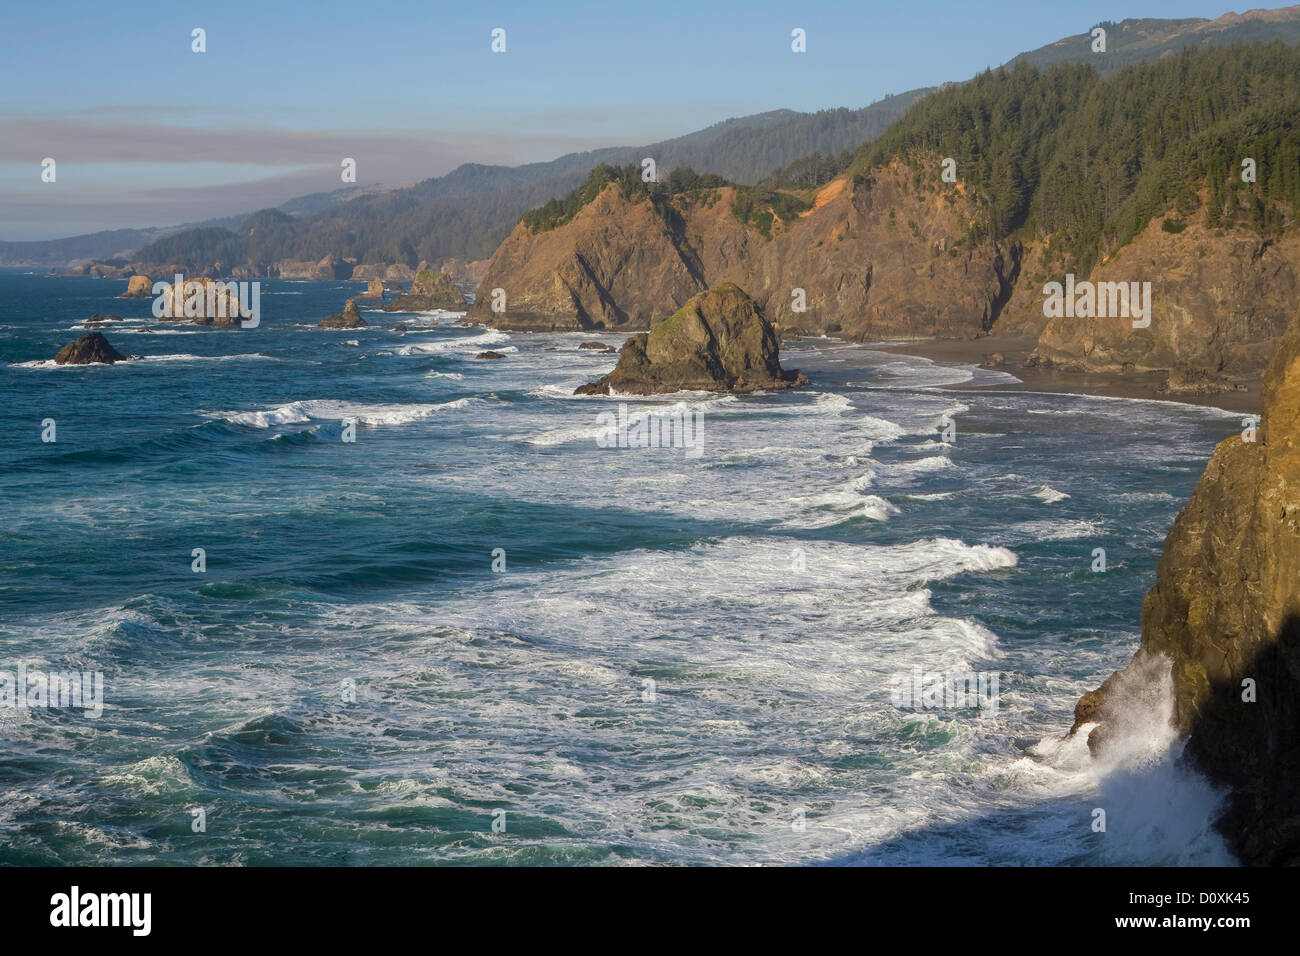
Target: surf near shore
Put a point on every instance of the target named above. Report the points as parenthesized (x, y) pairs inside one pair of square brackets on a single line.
[(1016, 352)]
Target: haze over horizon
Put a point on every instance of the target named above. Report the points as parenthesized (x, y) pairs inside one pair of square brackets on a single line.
[(269, 111)]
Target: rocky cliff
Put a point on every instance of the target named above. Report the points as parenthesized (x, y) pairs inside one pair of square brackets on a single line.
[(717, 341), (330, 267), (1221, 300), (615, 265), (887, 256), (1224, 620)]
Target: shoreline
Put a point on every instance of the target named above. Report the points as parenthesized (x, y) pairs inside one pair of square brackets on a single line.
[(1016, 350)]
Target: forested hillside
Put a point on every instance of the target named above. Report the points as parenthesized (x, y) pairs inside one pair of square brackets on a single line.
[(1085, 162)]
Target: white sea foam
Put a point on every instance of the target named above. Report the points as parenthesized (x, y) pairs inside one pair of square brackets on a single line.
[(138, 359), (1048, 494), (462, 343), (184, 357), (299, 412), (1054, 530)]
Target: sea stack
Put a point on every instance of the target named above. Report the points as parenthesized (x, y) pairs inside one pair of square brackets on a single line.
[(90, 349), (374, 289), (1223, 622), (218, 304), (138, 287), (718, 341), (429, 290), (349, 318)]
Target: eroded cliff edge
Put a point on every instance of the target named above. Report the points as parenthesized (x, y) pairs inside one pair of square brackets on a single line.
[(1224, 617)]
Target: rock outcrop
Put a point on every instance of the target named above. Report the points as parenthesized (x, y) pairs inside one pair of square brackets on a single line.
[(138, 287), (489, 355), (429, 290), (717, 341), (1223, 620), (374, 289), (218, 305), (90, 349), (330, 267), (469, 273), (349, 318)]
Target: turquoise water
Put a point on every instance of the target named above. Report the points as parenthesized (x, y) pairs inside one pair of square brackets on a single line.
[(823, 541)]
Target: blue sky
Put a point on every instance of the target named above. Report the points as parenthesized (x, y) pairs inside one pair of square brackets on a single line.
[(146, 132)]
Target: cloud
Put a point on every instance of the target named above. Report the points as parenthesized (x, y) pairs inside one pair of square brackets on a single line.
[(70, 140), (139, 173)]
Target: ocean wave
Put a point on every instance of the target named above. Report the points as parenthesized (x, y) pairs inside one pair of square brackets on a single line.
[(918, 466), (185, 357), (466, 343), (560, 436), (138, 359), (823, 403), (1048, 494), (1052, 530), (871, 507), (295, 413)]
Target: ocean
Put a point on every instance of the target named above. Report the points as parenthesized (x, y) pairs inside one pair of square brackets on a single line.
[(474, 635)]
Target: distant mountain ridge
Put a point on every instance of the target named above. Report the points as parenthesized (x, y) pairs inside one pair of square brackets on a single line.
[(466, 213), (1133, 41)]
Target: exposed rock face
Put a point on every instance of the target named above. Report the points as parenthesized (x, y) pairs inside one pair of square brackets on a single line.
[(717, 341), (296, 269), (616, 265), (597, 346), (489, 355), (330, 267), (470, 273), (872, 260), (892, 256), (1225, 610), (374, 289), (138, 287), (1220, 303), (90, 349), (349, 318), (429, 291)]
